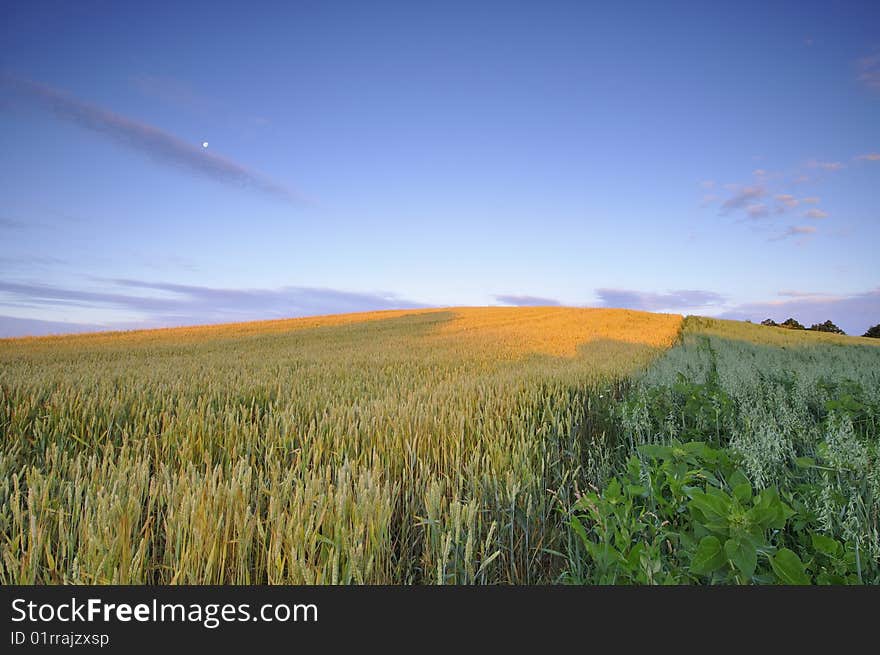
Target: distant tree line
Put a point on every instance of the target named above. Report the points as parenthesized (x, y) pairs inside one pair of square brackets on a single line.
[(827, 326)]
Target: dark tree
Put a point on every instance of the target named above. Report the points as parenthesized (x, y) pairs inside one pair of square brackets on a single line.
[(769, 322), (792, 324), (873, 332), (827, 326)]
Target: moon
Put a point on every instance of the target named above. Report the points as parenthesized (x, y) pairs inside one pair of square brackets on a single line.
[(204, 144)]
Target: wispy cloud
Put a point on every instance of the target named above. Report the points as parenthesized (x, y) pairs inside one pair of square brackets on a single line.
[(527, 301), (743, 197), (826, 165), (795, 231), (855, 313), (648, 301), (767, 196), (757, 211), (868, 71), (870, 156), (164, 304), (787, 200), (159, 145)]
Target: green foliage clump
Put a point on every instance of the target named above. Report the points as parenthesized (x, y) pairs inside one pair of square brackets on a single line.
[(827, 326), (740, 462), (686, 513), (792, 324), (873, 332)]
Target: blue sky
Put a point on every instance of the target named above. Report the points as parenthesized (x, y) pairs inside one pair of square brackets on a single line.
[(677, 157)]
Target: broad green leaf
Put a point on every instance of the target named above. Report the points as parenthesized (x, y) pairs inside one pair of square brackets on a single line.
[(737, 478), (636, 490), (605, 555), (789, 568), (633, 559), (743, 555), (804, 462), (743, 492), (763, 517), (769, 511), (830, 579), (695, 447), (709, 556), (714, 508), (579, 529), (612, 491), (717, 493), (826, 545)]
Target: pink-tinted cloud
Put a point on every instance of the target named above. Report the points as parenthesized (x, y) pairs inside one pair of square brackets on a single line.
[(787, 200), (811, 200), (147, 139), (816, 213), (743, 197), (871, 156)]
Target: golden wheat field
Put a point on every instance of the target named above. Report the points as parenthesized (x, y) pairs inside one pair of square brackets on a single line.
[(435, 446), (428, 446)]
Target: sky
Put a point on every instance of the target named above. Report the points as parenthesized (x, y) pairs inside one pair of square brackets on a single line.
[(186, 163)]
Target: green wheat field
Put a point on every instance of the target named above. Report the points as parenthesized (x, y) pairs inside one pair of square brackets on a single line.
[(456, 446)]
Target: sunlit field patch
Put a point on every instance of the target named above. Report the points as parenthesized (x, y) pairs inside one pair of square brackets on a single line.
[(558, 331), (202, 332)]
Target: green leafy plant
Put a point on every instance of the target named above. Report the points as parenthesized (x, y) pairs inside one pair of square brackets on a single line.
[(685, 512)]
